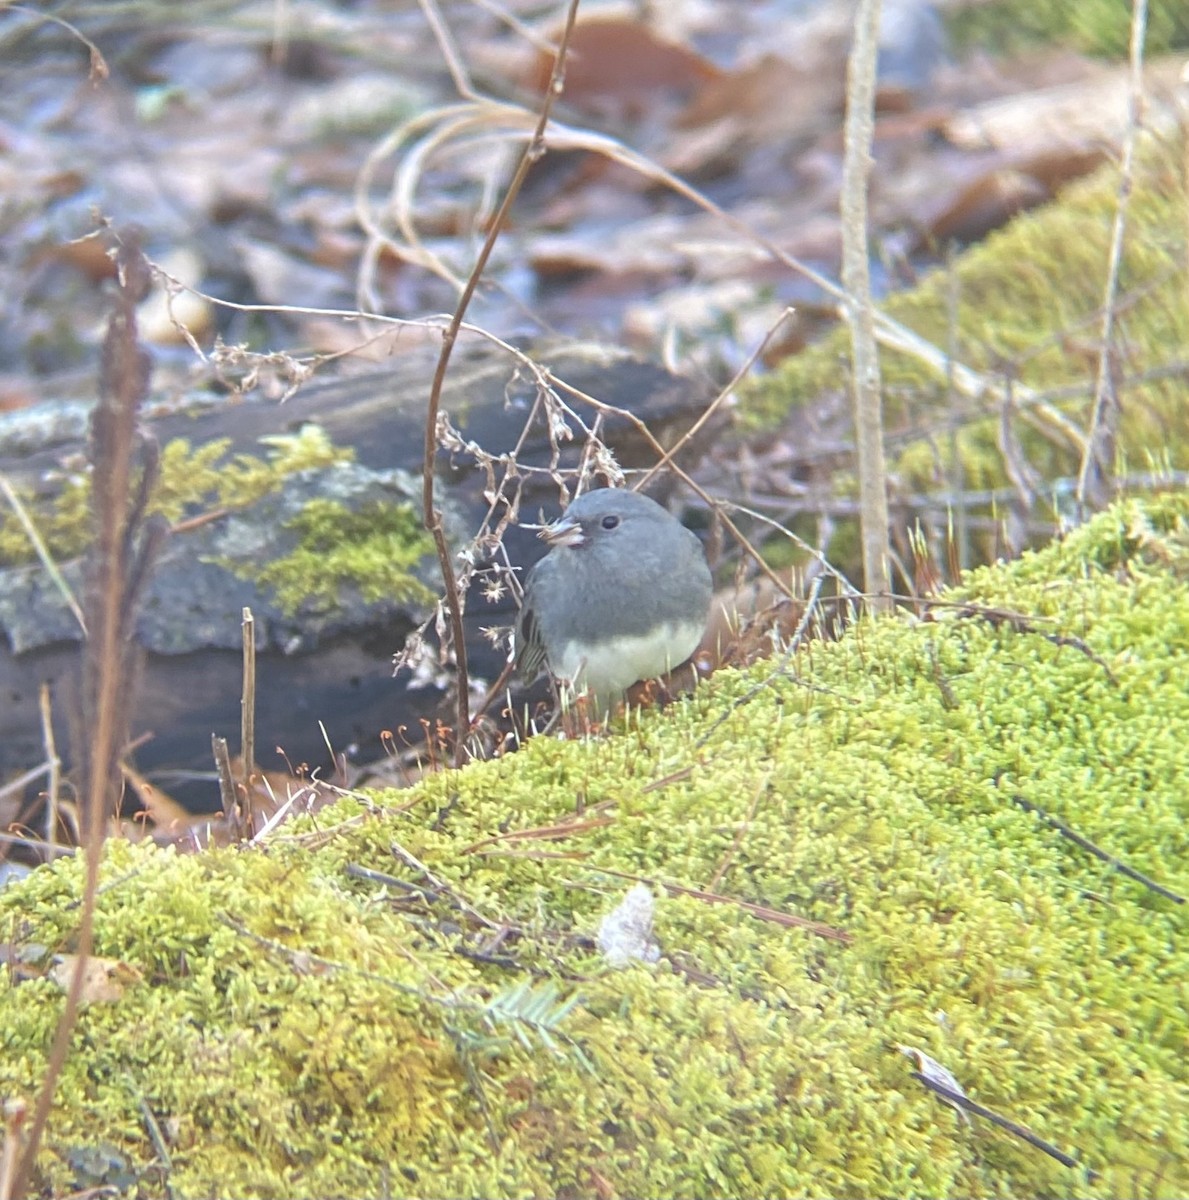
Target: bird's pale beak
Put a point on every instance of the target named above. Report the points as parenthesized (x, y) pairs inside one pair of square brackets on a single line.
[(562, 532)]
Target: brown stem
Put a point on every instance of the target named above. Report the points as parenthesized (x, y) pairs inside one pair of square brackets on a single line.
[(110, 599), (858, 308), (533, 151)]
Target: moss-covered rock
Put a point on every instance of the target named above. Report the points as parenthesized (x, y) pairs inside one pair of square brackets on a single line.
[(299, 1030), (1093, 26), (192, 480), (1023, 306)]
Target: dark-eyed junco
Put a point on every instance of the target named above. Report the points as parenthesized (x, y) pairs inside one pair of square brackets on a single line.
[(622, 595)]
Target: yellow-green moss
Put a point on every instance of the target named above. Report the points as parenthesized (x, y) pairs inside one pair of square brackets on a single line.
[(372, 548), (208, 477), (191, 480), (850, 787), (1092, 26), (1028, 302)]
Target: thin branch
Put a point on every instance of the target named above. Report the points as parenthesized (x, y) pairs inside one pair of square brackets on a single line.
[(448, 48), (964, 1103), (1100, 441), (489, 120), (533, 151), (858, 309), (227, 792), (54, 782), (110, 600), (1100, 854), (724, 394), (247, 736), (760, 911), (99, 68)]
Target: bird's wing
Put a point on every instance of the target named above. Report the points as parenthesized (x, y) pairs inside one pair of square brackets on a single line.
[(528, 646)]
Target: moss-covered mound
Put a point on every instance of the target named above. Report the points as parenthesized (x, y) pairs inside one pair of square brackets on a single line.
[(1024, 307), (297, 1029), (1093, 26)]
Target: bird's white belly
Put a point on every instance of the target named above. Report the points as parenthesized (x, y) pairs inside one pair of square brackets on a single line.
[(611, 667)]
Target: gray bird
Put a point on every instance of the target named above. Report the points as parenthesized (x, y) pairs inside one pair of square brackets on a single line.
[(623, 595)]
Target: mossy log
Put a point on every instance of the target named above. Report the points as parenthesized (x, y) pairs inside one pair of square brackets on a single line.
[(404, 995)]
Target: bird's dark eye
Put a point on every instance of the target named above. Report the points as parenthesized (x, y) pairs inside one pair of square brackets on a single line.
[(610, 521)]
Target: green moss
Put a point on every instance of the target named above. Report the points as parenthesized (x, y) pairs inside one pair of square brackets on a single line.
[(192, 480), (1021, 297), (1028, 302), (64, 525), (373, 549), (756, 1058), (1101, 27)]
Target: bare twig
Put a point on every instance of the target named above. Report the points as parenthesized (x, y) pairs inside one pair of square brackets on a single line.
[(116, 570), (160, 1146), (99, 68), (487, 120), (54, 763), (965, 1104), (32, 843), (724, 394), (444, 889), (858, 309), (533, 151), (960, 539), (448, 47), (760, 911), (744, 826), (1098, 852), (247, 739), (227, 790), (1097, 457)]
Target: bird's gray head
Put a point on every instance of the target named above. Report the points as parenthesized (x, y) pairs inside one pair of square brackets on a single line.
[(604, 516)]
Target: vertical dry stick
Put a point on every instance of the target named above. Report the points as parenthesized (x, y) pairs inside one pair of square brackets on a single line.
[(1183, 107), (54, 783), (860, 315), (533, 151), (227, 794), (960, 536), (247, 717), (1097, 464), (117, 505)]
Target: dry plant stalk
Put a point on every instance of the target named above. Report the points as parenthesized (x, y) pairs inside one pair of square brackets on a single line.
[(247, 729), (1098, 455), (124, 470), (860, 314), (533, 151), (228, 793)]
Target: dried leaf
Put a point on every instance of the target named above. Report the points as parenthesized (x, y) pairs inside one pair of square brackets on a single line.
[(105, 980), (625, 60)]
